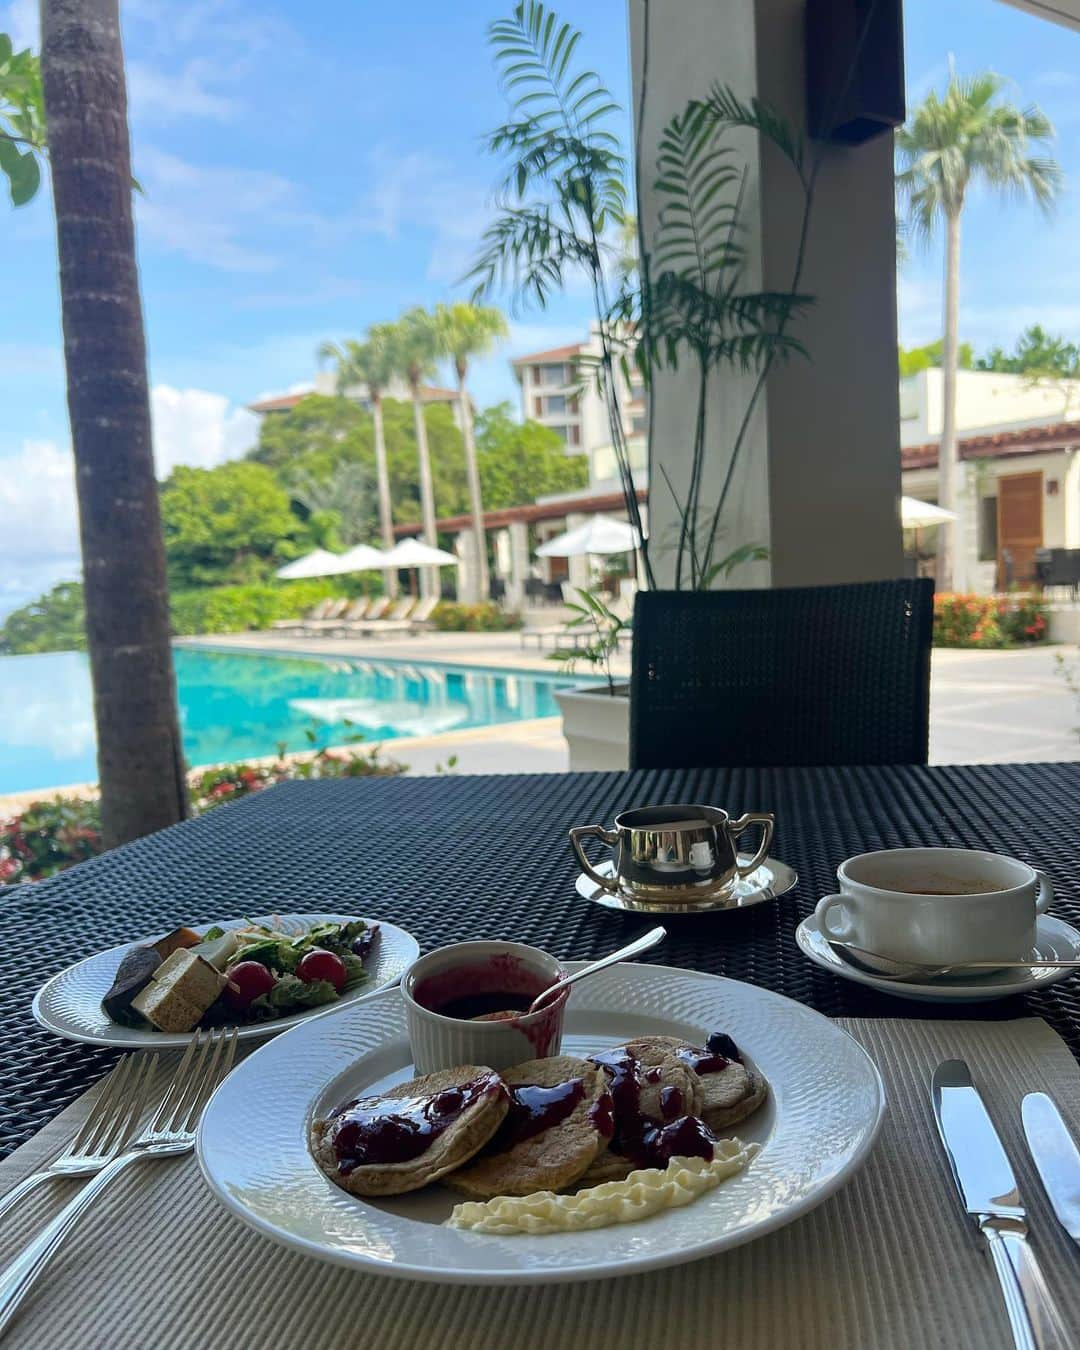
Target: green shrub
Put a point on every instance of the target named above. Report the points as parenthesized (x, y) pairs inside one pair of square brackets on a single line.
[(487, 618), (987, 621), (232, 609)]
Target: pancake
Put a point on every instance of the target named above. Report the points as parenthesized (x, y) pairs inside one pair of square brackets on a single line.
[(729, 1093), (411, 1134), (549, 1136), (667, 1089)]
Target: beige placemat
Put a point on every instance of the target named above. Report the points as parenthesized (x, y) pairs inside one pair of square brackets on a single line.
[(888, 1262)]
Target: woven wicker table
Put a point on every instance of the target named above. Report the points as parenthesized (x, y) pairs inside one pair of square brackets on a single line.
[(454, 858)]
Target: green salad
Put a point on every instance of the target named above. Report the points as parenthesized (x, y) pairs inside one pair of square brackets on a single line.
[(224, 976)]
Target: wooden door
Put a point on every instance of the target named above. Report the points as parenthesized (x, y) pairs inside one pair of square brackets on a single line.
[(1020, 523)]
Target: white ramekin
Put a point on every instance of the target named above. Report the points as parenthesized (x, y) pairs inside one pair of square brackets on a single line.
[(445, 1042)]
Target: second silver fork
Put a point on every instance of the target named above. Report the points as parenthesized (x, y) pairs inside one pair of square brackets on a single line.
[(171, 1132), (104, 1133)]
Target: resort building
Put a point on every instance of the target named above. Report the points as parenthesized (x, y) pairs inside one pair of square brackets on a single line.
[(1020, 491), (558, 391)]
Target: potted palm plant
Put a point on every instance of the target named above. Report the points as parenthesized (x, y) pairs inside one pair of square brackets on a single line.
[(563, 209)]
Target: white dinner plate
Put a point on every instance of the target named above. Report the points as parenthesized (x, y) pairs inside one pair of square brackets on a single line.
[(816, 1129), (772, 879), (70, 1003), (1054, 939)]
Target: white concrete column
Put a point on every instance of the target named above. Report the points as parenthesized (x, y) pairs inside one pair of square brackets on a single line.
[(580, 571), (818, 481), (517, 533), (1070, 488), (468, 579)]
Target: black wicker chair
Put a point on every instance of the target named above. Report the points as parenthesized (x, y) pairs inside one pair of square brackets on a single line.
[(809, 675)]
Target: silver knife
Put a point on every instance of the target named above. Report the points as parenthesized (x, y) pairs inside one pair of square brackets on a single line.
[(1056, 1157), (990, 1195)]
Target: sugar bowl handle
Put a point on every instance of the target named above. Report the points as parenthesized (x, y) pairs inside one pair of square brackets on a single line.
[(736, 827), (609, 837)]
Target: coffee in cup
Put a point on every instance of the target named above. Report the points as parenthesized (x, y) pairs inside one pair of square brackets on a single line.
[(937, 906)]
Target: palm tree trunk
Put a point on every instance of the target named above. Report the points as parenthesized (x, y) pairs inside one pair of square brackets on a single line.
[(140, 756), (949, 536), (472, 470), (382, 481), (429, 575)]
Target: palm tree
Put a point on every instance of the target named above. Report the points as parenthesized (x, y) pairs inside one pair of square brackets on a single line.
[(413, 344), (371, 364), (464, 331), (140, 754), (969, 135)]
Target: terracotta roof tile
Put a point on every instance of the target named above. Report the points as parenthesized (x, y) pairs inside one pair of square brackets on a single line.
[(555, 354), (997, 444)]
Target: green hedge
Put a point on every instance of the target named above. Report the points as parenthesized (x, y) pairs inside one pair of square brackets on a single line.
[(488, 618), (231, 609)]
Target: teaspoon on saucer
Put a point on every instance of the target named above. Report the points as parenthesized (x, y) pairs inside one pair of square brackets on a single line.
[(887, 969)]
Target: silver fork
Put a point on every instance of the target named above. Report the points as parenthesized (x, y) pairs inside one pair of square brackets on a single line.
[(105, 1131), (171, 1132)]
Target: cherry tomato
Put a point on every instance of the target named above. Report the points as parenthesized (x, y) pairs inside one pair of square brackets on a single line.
[(250, 978), (323, 965)]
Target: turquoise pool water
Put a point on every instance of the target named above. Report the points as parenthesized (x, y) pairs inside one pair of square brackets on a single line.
[(236, 705)]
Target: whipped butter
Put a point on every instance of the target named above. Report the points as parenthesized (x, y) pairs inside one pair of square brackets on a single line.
[(640, 1194)]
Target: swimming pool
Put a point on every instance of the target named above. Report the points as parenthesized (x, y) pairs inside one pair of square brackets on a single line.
[(238, 705)]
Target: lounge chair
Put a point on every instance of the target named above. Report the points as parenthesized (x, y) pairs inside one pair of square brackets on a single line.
[(414, 622), (319, 611), (329, 619), (352, 609), (373, 619)]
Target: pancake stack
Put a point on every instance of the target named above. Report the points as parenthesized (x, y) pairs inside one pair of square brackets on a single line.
[(551, 1124)]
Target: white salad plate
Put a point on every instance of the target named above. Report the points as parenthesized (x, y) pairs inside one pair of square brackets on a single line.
[(1054, 940), (773, 878), (816, 1129), (70, 1003)]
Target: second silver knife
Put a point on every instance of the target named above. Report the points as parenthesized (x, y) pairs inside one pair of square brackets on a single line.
[(1056, 1157)]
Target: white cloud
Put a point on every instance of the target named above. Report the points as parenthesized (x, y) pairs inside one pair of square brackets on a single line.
[(418, 190), (207, 213), (20, 21), (195, 427), (39, 544), (162, 97)]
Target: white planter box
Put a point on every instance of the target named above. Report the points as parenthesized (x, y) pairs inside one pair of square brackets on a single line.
[(596, 726)]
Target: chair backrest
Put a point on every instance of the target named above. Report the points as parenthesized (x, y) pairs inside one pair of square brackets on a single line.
[(356, 610), (807, 675), (425, 609), (320, 610), (402, 607), (378, 607), (337, 608)]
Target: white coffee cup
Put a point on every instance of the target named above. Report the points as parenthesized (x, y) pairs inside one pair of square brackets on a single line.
[(937, 905)]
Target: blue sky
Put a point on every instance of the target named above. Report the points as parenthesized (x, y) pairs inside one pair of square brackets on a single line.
[(312, 169)]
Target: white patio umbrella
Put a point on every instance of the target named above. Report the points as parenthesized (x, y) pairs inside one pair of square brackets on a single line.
[(320, 563), (917, 515), (362, 558), (415, 553), (599, 534)]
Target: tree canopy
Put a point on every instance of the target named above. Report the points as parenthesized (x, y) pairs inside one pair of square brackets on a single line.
[(930, 356), (56, 621), (22, 121), (229, 524), (1037, 353), (523, 460)]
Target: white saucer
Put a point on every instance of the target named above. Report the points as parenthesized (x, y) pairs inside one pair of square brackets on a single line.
[(1054, 939), (766, 882)]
